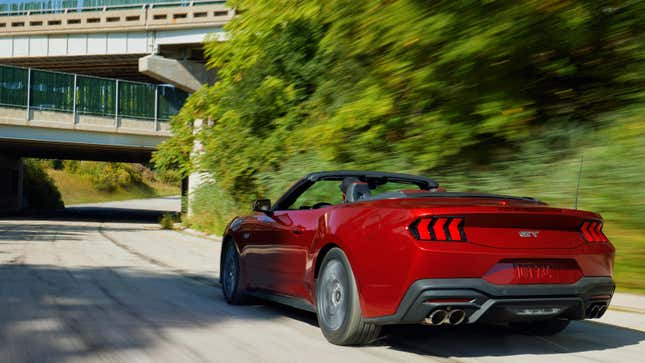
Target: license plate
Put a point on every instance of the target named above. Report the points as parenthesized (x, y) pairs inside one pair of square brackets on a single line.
[(534, 272)]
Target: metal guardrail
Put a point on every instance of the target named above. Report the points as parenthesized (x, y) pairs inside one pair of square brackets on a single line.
[(40, 90), (152, 5)]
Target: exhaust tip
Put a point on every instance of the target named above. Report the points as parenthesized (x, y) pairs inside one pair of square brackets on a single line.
[(456, 317), (437, 317), (596, 310), (601, 311)]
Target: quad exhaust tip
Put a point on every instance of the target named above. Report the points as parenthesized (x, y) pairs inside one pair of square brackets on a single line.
[(437, 317), (596, 310), (450, 317), (456, 317)]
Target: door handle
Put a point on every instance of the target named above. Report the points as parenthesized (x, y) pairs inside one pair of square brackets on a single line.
[(297, 231)]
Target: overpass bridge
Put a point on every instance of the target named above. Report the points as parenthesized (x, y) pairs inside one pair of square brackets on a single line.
[(59, 115), (143, 40), (90, 79)]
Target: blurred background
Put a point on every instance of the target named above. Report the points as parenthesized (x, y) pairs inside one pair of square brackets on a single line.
[(495, 96), (491, 96)]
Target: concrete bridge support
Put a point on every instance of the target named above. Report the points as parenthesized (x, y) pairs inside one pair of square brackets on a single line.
[(11, 179), (198, 177), (184, 74)]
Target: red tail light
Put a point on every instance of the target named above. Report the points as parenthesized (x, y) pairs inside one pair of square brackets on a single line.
[(592, 231), (439, 229)]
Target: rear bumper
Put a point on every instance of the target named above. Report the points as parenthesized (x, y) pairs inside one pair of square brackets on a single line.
[(501, 303)]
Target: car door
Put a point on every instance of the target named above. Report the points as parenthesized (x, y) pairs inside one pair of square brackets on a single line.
[(290, 240), (289, 235), (254, 238), (281, 238)]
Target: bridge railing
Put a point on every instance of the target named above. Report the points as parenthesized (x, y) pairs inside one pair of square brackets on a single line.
[(117, 18), (18, 8), (40, 90)]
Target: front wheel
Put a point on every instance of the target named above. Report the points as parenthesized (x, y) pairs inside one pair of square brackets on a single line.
[(337, 305), (541, 328), (230, 274)]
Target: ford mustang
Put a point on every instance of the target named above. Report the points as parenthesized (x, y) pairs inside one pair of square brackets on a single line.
[(367, 249)]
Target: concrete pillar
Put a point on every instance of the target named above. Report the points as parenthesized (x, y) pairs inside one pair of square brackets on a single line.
[(198, 177), (186, 75), (11, 180)]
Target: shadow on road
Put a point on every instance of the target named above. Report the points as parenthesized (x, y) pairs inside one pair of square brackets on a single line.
[(57, 314), (46, 232), (135, 211), (481, 340), (490, 340), (93, 214)]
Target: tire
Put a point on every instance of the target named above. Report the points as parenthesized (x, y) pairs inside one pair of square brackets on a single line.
[(541, 328), (230, 274), (337, 304)]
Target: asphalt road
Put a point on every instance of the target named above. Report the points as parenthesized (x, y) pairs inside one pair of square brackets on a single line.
[(105, 284)]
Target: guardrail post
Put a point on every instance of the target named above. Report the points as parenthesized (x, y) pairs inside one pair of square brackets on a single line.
[(74, 100), (156, 125), (116, 106), (28, 116)]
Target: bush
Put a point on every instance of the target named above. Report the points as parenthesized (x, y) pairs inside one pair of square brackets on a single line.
[(109, 176), (212, 208), (169, 176), (39, 189), (168, 221)]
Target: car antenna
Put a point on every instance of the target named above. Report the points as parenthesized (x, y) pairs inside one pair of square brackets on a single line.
[(575, 204)]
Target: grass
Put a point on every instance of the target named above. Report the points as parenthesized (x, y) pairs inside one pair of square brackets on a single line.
[(167, 221), (630, 257), (77, 189)]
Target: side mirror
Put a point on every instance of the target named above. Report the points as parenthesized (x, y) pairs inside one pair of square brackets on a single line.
[(262, 205)]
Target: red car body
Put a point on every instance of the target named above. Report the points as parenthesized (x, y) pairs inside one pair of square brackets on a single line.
[(412, 252)]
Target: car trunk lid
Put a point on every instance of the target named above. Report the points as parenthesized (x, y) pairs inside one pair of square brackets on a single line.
[(504, 222)]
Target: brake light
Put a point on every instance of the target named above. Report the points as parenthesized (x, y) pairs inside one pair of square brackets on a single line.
[(592, 231), (439, 229)]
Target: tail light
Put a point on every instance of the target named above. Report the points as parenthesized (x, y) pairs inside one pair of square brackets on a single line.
[(592, 231), (439, 229)]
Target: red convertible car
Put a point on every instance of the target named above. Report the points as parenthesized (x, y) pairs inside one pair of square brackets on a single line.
[(389, 248)]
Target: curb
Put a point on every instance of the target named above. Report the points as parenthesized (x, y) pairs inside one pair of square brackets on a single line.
[(626, 309), (195, 233)]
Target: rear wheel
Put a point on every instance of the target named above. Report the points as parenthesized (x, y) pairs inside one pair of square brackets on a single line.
[(543, 328), (230, 274), (337, 305)]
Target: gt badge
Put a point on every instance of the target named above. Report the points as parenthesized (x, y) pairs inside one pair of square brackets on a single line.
[(529, 234)]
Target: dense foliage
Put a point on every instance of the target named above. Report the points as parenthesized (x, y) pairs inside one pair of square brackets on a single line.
[(497, 95), (112, 176), (39, 191)]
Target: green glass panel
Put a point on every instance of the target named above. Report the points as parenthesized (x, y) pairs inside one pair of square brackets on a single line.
[(136, 99), (13, 86), (170, 101), (52, 91), (95, 96)]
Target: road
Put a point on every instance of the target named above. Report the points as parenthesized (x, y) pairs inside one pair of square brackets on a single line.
[(97, 284)]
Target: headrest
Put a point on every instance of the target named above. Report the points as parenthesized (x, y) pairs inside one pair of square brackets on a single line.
[(347, 181), (357, 191)]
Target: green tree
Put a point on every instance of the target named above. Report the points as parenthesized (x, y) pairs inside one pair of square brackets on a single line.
[(447, 88)]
